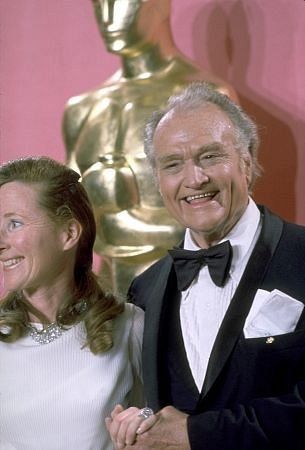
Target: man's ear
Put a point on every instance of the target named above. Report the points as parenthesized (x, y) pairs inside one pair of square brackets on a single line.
[(71, 234), (248, 167)]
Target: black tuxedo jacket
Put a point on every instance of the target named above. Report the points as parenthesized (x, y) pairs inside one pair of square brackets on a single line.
[(253, 396)]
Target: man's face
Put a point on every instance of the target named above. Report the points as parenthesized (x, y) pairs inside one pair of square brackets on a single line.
[(202, 178), (119, 22)]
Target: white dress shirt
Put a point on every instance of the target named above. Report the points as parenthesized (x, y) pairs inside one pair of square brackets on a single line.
[(203, 304)]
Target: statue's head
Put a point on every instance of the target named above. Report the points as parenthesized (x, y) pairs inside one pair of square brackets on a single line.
[(126, 25)]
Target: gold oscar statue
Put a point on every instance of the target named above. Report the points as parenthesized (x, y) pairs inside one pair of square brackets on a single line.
[(103, 134)]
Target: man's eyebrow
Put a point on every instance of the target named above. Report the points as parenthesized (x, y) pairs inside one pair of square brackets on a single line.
[(169, 157), (209, 147), (204, 148)]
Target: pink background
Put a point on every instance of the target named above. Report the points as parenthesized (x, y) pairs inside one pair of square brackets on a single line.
[(51, 50)]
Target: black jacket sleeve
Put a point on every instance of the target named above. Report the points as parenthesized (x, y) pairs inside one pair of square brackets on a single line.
[(263, 424)]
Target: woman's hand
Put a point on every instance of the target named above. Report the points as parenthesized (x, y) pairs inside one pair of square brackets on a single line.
[(125, 425)]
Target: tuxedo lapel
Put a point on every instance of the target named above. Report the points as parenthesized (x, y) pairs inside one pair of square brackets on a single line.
[(162, 317), (155, 297), (172, 326), (233, 322)]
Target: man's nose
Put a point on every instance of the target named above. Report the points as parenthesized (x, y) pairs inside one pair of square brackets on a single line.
[(194, 175)]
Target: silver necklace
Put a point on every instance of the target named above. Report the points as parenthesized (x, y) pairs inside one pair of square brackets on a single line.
[(55, 329), (46, 335)]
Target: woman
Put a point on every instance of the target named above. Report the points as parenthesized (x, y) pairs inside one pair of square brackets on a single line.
[(68, 351)]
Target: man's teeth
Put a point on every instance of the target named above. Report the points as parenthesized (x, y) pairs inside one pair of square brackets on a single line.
[(197, 196), (11, 262)]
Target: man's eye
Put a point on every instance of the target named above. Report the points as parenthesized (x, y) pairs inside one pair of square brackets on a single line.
[(170, 165), (208, 156)]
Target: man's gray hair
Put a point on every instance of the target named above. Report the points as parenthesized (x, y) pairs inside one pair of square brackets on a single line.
[(199, 94)]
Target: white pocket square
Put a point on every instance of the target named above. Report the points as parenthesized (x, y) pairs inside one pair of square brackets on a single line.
[(272, 313)]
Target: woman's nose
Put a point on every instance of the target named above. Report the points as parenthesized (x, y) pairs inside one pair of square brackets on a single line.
[(3, 244)]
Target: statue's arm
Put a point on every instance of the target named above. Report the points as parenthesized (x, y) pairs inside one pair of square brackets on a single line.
[(74, 118)]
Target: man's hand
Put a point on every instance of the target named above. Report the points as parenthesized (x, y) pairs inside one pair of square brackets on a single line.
[(169, 432), (166, 430), (125, 424)]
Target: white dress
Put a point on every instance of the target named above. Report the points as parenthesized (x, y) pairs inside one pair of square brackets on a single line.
[(56, 396)]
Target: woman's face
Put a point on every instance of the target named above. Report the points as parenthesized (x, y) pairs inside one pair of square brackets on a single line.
[(32, 246)]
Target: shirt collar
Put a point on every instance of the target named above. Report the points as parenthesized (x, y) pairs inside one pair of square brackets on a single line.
[(242, 236)]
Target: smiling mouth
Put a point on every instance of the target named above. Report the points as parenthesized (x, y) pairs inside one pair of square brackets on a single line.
[(190, 198), (11, 262)]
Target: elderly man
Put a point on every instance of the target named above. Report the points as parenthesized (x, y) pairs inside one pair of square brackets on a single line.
[(224, 339)]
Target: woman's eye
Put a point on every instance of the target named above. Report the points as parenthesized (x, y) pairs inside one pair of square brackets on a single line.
[(13, 224)]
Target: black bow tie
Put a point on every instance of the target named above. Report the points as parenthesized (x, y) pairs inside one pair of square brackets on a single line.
[(187, 263)]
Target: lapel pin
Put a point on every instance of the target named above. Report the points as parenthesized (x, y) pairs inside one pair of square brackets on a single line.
[(270, 340)]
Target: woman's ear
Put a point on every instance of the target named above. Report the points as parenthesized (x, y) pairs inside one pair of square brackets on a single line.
[(71, 234)]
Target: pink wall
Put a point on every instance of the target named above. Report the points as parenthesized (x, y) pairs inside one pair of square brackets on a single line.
[(51, 50)]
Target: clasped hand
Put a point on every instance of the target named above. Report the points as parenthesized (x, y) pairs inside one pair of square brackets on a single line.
[(166, 429)]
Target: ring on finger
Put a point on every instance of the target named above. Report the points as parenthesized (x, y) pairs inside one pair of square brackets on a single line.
[(145, 413)]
